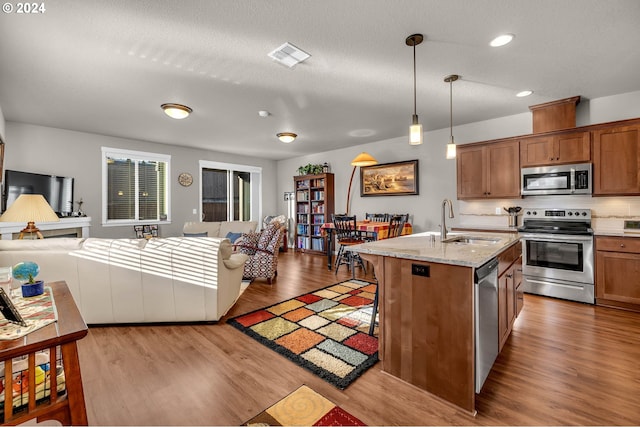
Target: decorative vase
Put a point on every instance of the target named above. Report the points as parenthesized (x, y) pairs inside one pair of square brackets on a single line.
[(32, 289)]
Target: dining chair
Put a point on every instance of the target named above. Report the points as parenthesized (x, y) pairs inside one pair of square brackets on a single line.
[(396, 224), (377, 217), (404, 216), (347, 235)]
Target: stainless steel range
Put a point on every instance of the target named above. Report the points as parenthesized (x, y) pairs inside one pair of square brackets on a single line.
[(557, 253)]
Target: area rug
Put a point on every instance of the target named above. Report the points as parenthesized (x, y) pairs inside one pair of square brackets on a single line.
[(304, 407), (324, 331)]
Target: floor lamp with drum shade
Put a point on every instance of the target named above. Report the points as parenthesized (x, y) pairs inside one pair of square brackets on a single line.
[(30, 208), (362, 159)]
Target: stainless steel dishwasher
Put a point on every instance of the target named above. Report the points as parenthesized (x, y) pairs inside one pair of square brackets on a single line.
[(486, 319)]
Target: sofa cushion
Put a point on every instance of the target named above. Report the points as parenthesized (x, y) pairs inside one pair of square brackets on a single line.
[(233, 237), (202, 234), (219, 228), (60, 243), (237, 227), (211, 228)]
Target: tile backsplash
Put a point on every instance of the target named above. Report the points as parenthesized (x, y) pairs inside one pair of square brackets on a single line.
[(608, 213)]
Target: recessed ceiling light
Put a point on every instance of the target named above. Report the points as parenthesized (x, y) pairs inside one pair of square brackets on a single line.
[(176, 111), (264, 113), (501, 40), (524, 93), (286, 137)]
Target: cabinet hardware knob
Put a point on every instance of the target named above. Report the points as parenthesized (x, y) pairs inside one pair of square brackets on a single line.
[(622, 245), (551, 158)]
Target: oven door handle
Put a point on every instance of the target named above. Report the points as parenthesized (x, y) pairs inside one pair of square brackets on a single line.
[(556, 237)]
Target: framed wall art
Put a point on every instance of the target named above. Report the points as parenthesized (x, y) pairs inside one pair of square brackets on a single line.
[(389, 179)]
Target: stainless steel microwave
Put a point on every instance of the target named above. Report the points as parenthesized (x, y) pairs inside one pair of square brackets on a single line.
[(560, 179)]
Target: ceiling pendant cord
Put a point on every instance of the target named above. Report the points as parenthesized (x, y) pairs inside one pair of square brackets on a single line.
[(415, 104), (415, 130), (451, 146)]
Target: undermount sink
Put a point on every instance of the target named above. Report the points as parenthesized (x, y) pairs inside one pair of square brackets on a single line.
[(471, 240)]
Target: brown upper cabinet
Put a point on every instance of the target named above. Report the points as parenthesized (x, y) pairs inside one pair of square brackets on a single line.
[(555, 149), (488, 170), (616, 161)]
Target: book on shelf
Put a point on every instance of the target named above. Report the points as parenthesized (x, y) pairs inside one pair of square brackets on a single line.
[(303, 242), (317, 244)]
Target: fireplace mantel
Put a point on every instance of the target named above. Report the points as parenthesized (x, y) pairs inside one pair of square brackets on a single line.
[(67, 227)]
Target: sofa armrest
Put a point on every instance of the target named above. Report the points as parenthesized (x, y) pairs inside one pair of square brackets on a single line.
[(235, 261)]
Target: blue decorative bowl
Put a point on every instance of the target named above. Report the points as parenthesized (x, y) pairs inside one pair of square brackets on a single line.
[(33, 289)]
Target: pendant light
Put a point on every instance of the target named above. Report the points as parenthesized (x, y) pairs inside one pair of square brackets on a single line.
[(415, 130), (451, 146)]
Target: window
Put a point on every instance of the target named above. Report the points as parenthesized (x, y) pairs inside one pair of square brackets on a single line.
[(135, 187), (230, 192)]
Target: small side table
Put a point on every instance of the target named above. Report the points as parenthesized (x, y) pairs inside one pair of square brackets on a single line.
[(69, 408)]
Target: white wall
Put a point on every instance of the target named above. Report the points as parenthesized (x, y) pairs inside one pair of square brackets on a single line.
[(438, 175), (62, 152)]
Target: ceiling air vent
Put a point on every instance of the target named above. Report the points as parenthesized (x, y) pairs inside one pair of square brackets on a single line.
[(289, 55)]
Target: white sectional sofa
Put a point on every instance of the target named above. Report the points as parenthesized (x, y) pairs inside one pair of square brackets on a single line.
[(172, 279), (222, 229)]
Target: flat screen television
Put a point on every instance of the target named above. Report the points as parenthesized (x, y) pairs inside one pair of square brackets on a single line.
[(58, 190)]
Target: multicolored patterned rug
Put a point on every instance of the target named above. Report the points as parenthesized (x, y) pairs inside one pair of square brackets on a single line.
[(324, 331), (304, 407)]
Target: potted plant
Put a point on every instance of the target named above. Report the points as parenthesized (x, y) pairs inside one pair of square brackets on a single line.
[(26, 272)]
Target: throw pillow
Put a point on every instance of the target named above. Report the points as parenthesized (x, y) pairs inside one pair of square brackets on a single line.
[(248, 243), (203, 234), (267, 235), (233, 237)]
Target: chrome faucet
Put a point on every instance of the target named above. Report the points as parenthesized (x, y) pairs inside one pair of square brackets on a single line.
[(443, 225)]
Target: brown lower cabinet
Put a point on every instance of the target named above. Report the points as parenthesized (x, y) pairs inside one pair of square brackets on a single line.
[(618, 272), (510, 294)]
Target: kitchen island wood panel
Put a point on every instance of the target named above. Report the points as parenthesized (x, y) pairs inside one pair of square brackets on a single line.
[(426, 307), (428, 328)]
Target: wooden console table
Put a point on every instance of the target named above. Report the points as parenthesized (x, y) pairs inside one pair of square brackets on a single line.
[(58, 337)]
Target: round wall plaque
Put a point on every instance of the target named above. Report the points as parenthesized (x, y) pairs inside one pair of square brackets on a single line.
[(185, 179)]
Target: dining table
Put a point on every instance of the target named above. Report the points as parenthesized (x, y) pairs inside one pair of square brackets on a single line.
[(371, 229)]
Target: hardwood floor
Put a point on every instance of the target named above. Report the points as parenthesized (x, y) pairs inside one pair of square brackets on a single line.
[(565, 363)]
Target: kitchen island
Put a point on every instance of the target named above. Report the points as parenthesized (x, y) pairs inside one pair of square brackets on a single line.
[(426, 307)]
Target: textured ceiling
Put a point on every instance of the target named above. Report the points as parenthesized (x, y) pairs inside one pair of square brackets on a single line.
[(106, 66)]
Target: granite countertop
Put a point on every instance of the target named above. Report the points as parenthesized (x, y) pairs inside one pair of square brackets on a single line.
[(615, 232), (421, 247), (486, 228)]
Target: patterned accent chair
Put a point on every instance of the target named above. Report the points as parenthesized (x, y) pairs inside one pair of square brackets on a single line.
[(262, 248)]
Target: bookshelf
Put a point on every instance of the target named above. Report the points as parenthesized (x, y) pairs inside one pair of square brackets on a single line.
[(314, 206)]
